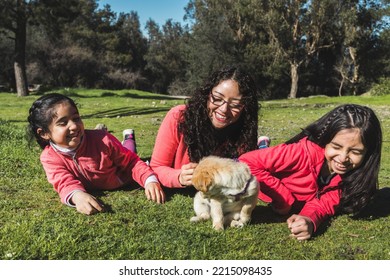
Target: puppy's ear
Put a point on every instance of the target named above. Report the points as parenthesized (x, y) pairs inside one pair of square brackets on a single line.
[(202, 180)]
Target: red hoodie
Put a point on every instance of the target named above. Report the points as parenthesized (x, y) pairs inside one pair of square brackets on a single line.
[(289, 172), (100, 163)]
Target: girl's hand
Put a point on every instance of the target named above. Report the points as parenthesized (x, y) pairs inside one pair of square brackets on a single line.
[(153, 191), (185, 177), (86, 203), (301, 227)]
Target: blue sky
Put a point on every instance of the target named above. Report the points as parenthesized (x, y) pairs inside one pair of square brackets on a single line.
[(158, 10)]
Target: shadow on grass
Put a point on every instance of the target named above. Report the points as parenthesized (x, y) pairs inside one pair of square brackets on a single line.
[(99, 194), (379, 206), (157, 97), (74, 94), (123, 112), (169, 193), (188, 192), (265, 215), (119, 112)]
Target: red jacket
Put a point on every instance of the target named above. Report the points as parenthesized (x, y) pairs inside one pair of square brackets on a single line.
[(289, 172), (100, 162)]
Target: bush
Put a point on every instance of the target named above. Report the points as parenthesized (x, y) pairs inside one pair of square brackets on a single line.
[(382, 88), (179, 88), (119, 79)]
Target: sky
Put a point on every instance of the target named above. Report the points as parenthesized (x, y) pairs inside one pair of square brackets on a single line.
[(158, 10)]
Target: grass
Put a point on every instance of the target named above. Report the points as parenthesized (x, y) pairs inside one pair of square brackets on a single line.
[(35, 225)]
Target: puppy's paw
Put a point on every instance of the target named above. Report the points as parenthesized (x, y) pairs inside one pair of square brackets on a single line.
[(218, 226), (237, 224), (236, 216), (201, 217), (205, 216), (195, 219)]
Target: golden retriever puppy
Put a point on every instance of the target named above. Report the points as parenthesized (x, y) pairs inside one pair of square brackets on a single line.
[(227, 192)]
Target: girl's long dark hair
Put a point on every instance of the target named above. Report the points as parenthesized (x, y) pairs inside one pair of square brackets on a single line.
[(359, 185), (202, 138), (41, 115)]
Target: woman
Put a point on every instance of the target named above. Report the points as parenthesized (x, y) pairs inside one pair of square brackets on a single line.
[(219, 119)]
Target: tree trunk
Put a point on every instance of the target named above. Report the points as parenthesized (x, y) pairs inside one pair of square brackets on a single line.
[(20, 79), (294, 80), (356, 79), (20, 49), (341, 85), (355, 76)]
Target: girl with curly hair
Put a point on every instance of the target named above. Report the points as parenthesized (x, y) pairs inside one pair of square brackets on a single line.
[(331, 166), (219, 119)]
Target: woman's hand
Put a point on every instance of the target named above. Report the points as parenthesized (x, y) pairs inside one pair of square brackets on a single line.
[(185, 177)]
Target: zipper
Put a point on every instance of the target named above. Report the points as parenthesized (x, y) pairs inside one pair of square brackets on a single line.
[(78, 166)]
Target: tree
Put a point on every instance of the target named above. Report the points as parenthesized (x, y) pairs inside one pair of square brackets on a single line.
[(14, 18), (216, 37), (231, 32), (126, 52), (165, 62), (131, 41), (116, 41), (298, 30), (361, 25), (6, 62), (258, 54)]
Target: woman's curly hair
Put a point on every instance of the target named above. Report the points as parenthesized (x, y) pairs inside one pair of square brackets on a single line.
[(359, 185), (200, 135)]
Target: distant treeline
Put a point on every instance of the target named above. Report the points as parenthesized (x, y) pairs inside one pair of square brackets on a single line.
[(291, 48)]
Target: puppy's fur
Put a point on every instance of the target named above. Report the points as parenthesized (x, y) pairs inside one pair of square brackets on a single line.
[(227, 192)]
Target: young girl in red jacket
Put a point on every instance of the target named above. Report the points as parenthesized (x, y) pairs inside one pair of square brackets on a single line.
[(332, 165), (77, 161)]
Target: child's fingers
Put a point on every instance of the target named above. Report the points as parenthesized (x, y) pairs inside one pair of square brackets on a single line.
[(161, 196), (96, 205), (87, 204), (300, 232), (155, 194), (302, 236), (88, 209), (291, 220), (300, 227)]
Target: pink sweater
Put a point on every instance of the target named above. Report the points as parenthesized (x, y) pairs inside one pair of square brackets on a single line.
[(100, 163), (170, 152)]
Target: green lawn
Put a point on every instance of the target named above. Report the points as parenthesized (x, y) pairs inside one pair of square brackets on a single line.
[(35, 225)]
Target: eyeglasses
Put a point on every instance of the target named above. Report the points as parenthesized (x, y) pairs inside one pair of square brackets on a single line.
[(218, 101)]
